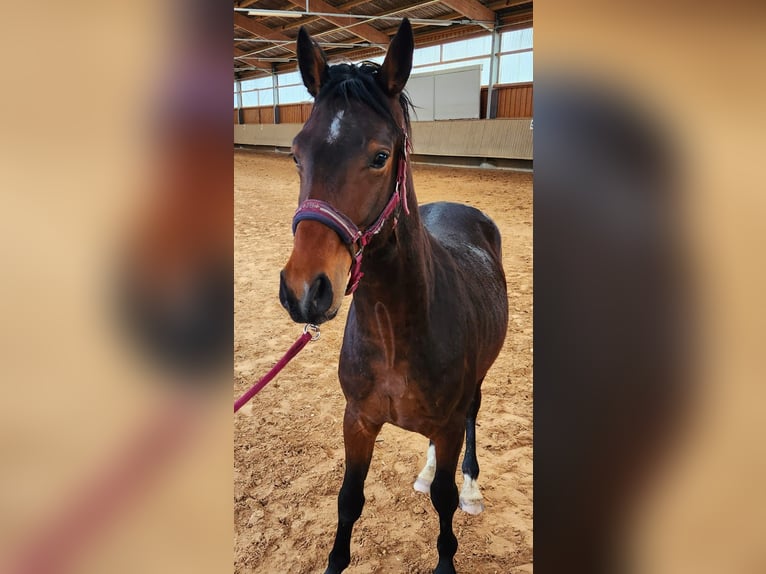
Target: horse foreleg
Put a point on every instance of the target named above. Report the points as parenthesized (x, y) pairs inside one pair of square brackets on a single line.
[(444, 494), (359, 440), (471, 500)]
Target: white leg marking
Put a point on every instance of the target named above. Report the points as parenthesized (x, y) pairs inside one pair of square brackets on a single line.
[(426, 476), (471, 500)]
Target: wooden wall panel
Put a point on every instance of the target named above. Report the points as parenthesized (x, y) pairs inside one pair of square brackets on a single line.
[(267, 115), (291, 114), (531, 102), (513, 100), (306, 111), (250, 116), (288, 114)]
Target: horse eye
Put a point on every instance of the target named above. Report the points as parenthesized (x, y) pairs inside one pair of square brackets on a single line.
[(379, 160), (295, 159)]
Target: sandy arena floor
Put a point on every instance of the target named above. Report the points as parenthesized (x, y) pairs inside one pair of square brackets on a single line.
[(288, 444)]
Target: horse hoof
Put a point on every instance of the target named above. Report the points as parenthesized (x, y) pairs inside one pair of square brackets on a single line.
[(445, 568), (472, 506), (422, 485)]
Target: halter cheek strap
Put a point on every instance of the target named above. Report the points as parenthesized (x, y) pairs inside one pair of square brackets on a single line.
[(350, 234)]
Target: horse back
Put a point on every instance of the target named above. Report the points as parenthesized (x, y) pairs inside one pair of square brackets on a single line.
[(464, 232), (467, 260)]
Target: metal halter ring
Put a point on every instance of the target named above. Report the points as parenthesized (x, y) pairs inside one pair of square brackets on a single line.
[(314, 329)]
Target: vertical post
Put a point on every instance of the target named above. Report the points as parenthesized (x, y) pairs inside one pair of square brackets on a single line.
[(240, 113), (275, 91), (494, 70)]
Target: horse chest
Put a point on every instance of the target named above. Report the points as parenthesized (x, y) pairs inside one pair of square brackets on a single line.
[(389, 393), (393, 379), (393, 398)]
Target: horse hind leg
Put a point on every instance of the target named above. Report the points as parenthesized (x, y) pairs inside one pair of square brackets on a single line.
[(471, 500), (444, 494), (426, 476)]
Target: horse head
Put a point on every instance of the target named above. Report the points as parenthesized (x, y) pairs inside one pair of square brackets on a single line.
[(349, 155)]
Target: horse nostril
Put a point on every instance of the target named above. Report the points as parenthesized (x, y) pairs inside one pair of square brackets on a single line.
[(285, 295), (320, 295)]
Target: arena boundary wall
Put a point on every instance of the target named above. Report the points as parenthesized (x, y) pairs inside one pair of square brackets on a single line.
[(505, 142)]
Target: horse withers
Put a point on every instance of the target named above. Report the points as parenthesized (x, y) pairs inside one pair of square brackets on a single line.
[(429, 311)]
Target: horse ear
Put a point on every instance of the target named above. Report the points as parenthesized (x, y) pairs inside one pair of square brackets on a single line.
[(397, 66), (312, 62)]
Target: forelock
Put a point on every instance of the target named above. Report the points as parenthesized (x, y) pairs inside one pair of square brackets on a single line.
[(351, 82)]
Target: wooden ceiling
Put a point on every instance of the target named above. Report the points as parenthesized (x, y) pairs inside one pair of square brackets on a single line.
[(263, 43)]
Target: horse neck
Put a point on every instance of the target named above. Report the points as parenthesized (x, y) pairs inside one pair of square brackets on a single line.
[(397, 273)]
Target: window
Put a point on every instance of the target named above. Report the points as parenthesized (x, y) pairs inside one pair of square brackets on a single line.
[(516, 40), (289, 79), (266, 97), (256, 83), (293, 94), (249, 99), (428, 55), (515, 68), (481, 46)]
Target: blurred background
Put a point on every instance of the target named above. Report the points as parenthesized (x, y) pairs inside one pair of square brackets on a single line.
[(649, 418), (115, 238), (116, 305)]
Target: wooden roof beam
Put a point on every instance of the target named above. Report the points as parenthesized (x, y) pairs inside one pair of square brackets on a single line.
[(364, 31), (311, 19), (472, 9), (241, 55), (248, 62), (503, 4), (245, 62), (257, 28)]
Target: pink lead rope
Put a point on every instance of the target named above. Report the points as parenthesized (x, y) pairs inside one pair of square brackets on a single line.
[(310, 333)]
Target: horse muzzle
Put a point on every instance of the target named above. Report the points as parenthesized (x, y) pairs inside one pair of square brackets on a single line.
[(312, 283), (313, 304)]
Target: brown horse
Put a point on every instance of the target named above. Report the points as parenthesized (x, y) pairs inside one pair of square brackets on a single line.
[(429, 312)]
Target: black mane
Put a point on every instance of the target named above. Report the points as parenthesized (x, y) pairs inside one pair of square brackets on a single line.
[(358, 82)]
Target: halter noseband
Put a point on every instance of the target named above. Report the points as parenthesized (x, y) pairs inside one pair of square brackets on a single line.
[(349, 233)]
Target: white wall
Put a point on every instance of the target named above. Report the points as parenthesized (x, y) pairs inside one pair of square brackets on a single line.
[(446, 94)]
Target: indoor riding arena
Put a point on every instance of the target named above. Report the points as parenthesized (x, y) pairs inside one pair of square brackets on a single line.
[(471, 88)]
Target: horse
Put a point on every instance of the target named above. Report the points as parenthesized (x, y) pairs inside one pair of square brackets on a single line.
[(429, 311)]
